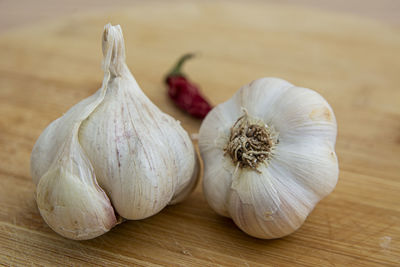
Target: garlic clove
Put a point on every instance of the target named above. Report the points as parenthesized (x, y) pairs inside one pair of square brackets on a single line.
[(257, 189), (69, 198), (187, 186), (217, 180), (305, 162), (142, 157), (261, 97), (303, 113), (285, 220), (54, 136)]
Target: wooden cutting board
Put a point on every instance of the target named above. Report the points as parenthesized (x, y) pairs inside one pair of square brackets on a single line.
[(354, 63)]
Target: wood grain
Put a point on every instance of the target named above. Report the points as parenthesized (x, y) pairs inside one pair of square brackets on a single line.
[(353, 63)]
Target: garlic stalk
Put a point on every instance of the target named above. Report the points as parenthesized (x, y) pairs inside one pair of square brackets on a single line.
[(269, 156), (113, 153)]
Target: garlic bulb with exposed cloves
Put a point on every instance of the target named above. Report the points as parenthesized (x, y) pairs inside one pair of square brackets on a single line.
[(113, 153), (269, 156)]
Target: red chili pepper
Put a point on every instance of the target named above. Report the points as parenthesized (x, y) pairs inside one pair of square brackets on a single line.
[(185, 94)]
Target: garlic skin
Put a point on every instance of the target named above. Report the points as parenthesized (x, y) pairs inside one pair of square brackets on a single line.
[(112, 153), (76, 207), (273, 198)]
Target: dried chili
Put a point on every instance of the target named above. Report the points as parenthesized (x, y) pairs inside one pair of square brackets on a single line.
[(184, 93)]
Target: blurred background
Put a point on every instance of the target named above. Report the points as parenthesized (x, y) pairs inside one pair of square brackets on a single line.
[(19, 13)]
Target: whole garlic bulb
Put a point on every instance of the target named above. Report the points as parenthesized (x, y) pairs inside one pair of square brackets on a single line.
[(114, 152), (269, 156)]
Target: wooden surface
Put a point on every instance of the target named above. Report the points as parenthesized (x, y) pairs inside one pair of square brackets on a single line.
[(354, 63)]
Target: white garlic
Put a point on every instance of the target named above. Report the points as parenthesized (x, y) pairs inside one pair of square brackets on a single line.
[(269, 156), (114, 152)]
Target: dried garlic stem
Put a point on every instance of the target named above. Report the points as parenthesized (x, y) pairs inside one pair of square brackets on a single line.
[(249, 144)]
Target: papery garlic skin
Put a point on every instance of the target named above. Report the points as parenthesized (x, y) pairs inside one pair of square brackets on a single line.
[(69, 198), (149, 155), (273, 200), (121, 149)]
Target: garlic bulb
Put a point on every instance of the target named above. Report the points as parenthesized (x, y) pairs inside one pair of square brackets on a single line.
[(269, 156), (113, 153)]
